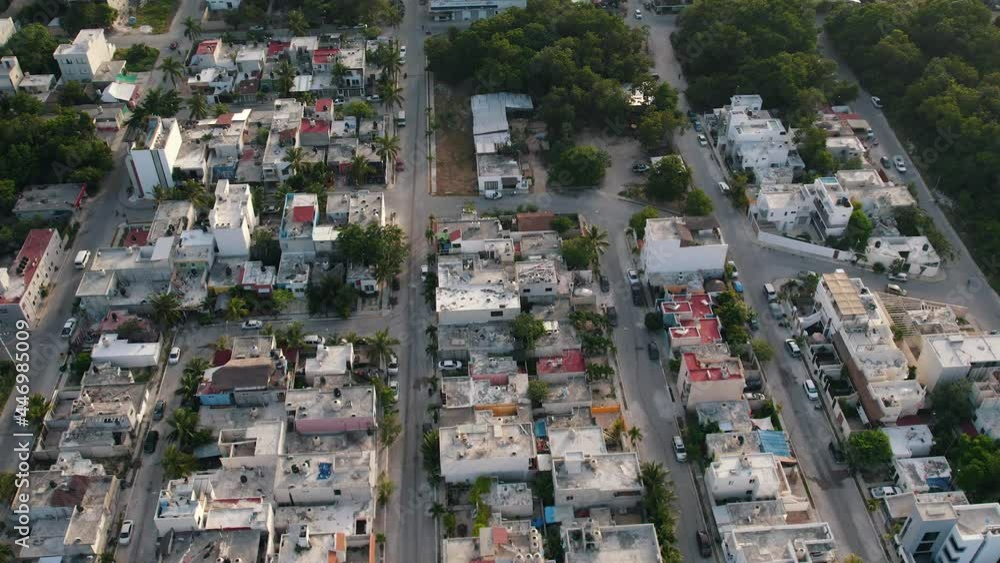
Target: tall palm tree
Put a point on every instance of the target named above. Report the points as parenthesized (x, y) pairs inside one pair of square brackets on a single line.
[(38, 407), (167, 310), (652, 474), (286, 76), (172, 69), (382, 345), (296, 157), (297, 23), (596, 242), (393, 60), (360, 170), (195, 192), (392, 96), (221, 343), (184, 425), (634, 436), (293, 336), (191, 378), (387, 148), (339, 71), (192, 28), (177, 464), (198, 106), (237, 309), (614, 432)]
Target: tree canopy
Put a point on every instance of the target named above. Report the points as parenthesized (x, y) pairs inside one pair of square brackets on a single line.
[(571, 57), (936, 66), (868, 449), (767, 48), (33, 46), (580, 166), (668, 179), (382, 247)]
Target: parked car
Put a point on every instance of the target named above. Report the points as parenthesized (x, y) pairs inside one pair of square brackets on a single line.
[(723, 187), (882, 492), (374, 98), (792, 347), (339, 101), (837, 453), (811, 393), (125, 535), (612, 314), (702, 141), (400, 166), (175, 355), (640, 167), (769, 291), (680, 452), (704, 544), (735, 272), (68, 327), (152, 438), (313, 340), (895, 290), (393, 368), (899, 163), (899, 277), (449, 365), (493, 194), (697, 126), (402, 51), (653, 351), (638, 14), (394, 386), (252, 324), (885, 162), (877, 102), (159, 410), (633, 277), (636, 297), (605, 284)]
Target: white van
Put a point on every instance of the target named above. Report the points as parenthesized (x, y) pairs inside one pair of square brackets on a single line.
[(81, 260), (769, 291), (313, 340)]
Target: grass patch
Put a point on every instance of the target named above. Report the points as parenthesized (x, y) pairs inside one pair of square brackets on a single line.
[(138, 57), (157, 14), (7, 377)]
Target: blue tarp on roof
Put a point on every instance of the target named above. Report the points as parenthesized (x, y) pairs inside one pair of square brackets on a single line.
[(774, 442), (550, 515)]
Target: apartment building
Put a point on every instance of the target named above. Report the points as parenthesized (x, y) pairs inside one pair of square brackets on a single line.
[(232, 219), (88, 58), (151, 158), (22, 284), (675, 246)]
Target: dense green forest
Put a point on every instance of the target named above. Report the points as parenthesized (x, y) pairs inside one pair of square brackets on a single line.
[(765, 47), (936, 66)]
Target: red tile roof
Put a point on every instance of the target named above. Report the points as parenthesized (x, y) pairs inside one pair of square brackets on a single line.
[(275, 48), (696, 372), (324, 105), (540, 221), (314, 126), (136, 237), (321, 56), (303, 213), (571, 361), (207, 47), (455, 235), (500, 535), (28, 258), (224, 119)]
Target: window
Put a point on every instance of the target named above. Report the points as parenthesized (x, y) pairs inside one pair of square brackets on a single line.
[(336, 492), (954, 544), (496, 313), (527, 290), (548, 290)]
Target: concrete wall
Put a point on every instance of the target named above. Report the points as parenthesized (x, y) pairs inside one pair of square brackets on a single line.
[(802, 247)]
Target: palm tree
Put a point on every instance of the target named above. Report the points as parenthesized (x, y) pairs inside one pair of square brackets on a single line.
[(360, 170), (286, 76), (351, 337), (297, 23), (196, 193), (382, 345), (596, 242), (393, 60), (634, 436), (237, 309), (192, 28), (438, 510), (172, 69), (296, 157), (387, 148), (339, 71), (38, 407), (221, 343), (293, 336), (191, 378), (392, 96), (614, 432), (184, 423), (198, 106), (652, 474), (166, 309), (177, 464)]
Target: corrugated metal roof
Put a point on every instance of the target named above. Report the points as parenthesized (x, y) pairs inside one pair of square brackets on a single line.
[(774, 442), (489, 118)]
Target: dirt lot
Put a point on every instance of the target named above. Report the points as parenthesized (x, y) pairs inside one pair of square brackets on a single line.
[(456, 155)]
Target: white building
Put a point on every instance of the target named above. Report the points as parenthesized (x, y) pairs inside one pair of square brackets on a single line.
[(491, 132), (495, 449), (584, 481), (949, 357), (11, 74), (675, 246), (923, 474), (298, 223), (946, 532), (796, 543), (845, 148), (150, 160), (284, 135), (82, 59), (330, 361), (909, 441), (477, 304), (223, 499), (120, 352), (232, 219), (22, 283), (878, 199), (466, 10), (752, 140), (746, 477), (323, 479), (7, 30), (825, 205), (216, 5), (595, 543), (911, 255)]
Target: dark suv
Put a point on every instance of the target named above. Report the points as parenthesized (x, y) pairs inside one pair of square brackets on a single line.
[(704, 544), (152, 438)]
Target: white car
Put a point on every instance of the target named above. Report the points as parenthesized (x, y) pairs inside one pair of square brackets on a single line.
[(899, 277), (792, 347), (702, 140), (313, 340), (393, 367), (811, 391), (724, 187), (394, 386), (736, 272), (68, 328), (252, 324), (638, 14), (125, 535), (899, 163), (449, 364), (374, 98), (175, 355), (402, 51), (882, 492), (877, 102), (424, 270), (680, 452), (633, 277), (493, 194)]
